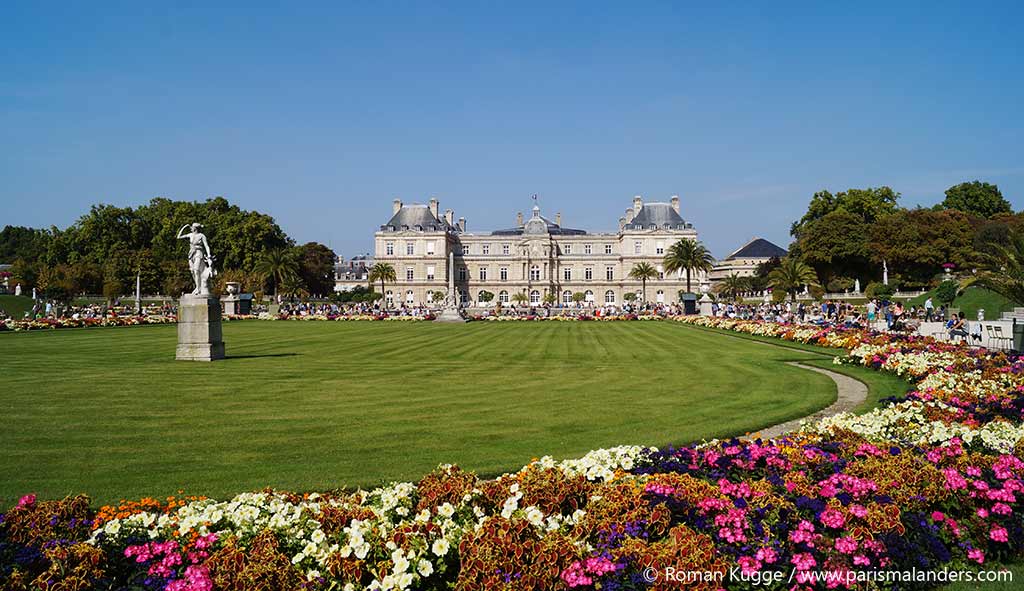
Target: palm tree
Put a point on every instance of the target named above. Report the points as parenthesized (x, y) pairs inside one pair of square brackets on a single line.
[(280, 265), (382, 272), (643, 272), (791, 275), (733, 285), (1003, 270), (690, 256), (519, 297)]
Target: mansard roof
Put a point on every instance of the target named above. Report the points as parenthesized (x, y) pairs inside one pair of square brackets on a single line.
[(758, 248), (657, 215), (415, 216), (539, 224)]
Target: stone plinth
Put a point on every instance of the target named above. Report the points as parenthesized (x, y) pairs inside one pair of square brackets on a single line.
[(449, 315), (237, 305), (199, 331), (705, 302)]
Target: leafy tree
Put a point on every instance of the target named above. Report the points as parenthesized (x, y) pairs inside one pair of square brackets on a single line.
[(976, 198), (642, 272), (550, 298), (436, 296), (578, 297), (280, 265), (688, 255), (836, 244), (732, 286), (916, 243), (485, 296), (1003, 270), (946, 292), (791, 276), (519, 297), (19, 242), (865, 204), (629, 296), (316, 267), (382, 272)]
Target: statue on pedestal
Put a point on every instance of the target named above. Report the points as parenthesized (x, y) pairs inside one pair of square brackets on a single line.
[(200, 260), (17, 289)]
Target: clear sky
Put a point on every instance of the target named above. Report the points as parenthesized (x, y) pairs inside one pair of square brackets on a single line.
[(321, 114)]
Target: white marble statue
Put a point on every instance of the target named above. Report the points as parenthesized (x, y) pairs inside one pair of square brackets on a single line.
[(885, 272), (17, 289), (200, 259), (856, 286)]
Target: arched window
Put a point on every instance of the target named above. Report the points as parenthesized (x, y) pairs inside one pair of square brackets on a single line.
[(535, 297), (588, 296), (503, 297), (480, 296), (661, 297), (389, 298), (567, 297), (534, 273), (609, 297)]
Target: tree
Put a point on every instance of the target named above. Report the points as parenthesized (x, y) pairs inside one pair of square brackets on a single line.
[(917, 242), (629, 296), (578, 297), (836, 244), (435, 296), (382, 272), (519, 297), (280, 265), (865, 204), (1003, 270), (688, 255), (485, 296), (550, 298), (316, 267), (642, 272), (976, 198), (733, 285), (791, 276)]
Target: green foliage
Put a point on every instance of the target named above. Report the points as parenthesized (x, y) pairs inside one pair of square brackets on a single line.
[(485, 296), (877, 289), (839, 284), (791, 276), (316, 268), (359, 294), (946, 292), (689, 256), (579, 296), (550, 298), (836, 244), (916, 243), (976, 198), (1003, 270), (867, 205), (18, 242), (732, 286), (382, 273), (643, 272), (629, 296), (520, 297)]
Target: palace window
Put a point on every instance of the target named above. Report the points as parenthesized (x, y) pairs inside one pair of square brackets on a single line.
[(503, 273), (567, 274), (588, 296), (607, 248), (661, 272), (609, 273), (483, 273), (535, 273), (408, 273), (661, 297), (462, 273), (430, 273), (389, 297), (638, 247), (535, 297), (409, 248), (659, 248), (567, 297), (430, 247), (503, 297), (408, 297), (588, 274), (609, 297), (567, 249), (588, 248), (506, 249), (485, 249), (389, 248)]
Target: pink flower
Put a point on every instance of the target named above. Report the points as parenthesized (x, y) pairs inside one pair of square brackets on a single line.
[(846, 545), (982, 512), (26, 501), (938, 516), (832, 518), (749, 565), (998, 534), (976, 555), (767, 555)]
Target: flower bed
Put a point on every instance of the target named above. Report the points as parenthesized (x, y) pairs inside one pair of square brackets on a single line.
[(927, 482), (55, 323)]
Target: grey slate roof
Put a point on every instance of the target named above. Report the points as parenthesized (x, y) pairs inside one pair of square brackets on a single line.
[(758, 248), (539, 224), (659, 215), (415, 217)]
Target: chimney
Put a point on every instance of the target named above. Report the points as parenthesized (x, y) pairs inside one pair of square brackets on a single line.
[(519, 219), (675, 203), (395, 206), (638, 203), (630, 213), (449, 216), (558, 219), (433, 207), (462, 224), (622, 224)]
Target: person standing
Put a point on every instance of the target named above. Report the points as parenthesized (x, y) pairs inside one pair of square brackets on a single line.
[(929, 309)]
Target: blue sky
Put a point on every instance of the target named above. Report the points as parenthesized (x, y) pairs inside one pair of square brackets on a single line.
[(321, 114)]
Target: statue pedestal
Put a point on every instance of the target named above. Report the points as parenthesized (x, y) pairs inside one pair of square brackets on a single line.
[(449, 315), (235, 305), (199, 331)]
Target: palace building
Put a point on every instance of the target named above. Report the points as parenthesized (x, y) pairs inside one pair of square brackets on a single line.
[(537, 257)]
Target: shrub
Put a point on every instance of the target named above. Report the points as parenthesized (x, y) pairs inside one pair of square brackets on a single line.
[(947, 291)]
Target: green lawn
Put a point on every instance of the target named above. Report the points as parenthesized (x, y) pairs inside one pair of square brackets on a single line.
[(15, 306), (971, 299), (316, 405)]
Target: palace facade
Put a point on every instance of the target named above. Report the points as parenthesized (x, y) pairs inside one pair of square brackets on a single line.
[(536, 257)]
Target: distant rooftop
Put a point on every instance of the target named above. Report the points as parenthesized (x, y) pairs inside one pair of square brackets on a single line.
[(758, 248), (539, 224), (415, 216)]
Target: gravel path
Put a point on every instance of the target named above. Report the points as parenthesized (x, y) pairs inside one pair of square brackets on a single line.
[(851, 393)]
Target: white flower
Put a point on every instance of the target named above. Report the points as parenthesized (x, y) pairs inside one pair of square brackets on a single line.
[(440, 547), (535, 516), (424, 567)]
